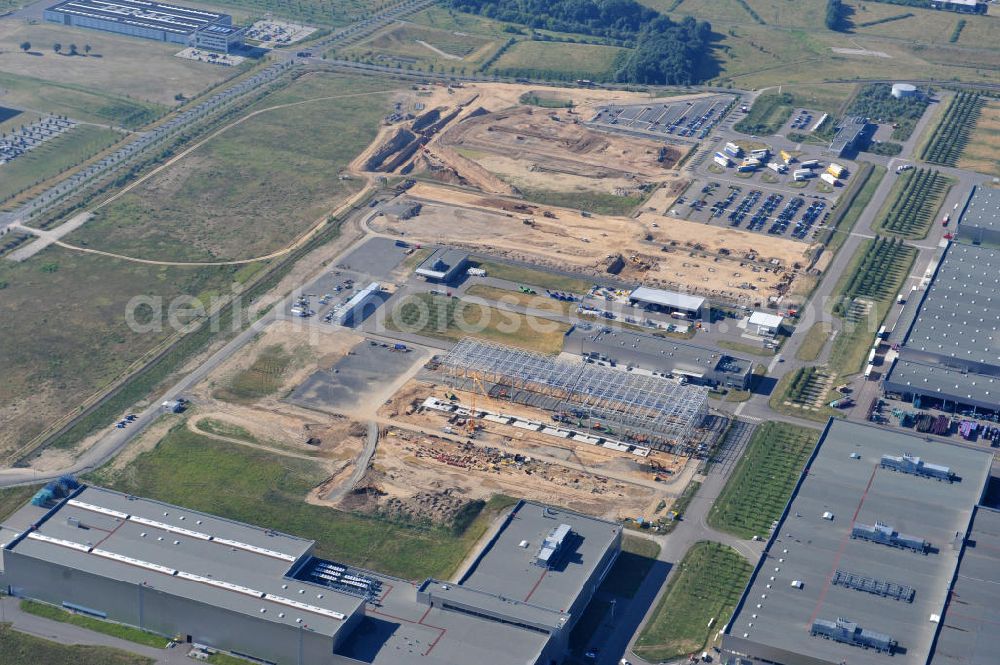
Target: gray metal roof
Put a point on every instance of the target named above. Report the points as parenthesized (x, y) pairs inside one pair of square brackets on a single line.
[(507, 569), (983, 211), (138, 13), (403, 631), (929, 379), (439, 264), (189, 554), (681, 301), (497, 605), (969, 634), (655, 353), (959, 315), (809, 549)]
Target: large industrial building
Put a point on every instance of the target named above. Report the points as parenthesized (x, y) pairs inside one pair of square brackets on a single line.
[(980, 224), (662, 355), (265, 595), (864, 565), (151, 20), (950, 356)]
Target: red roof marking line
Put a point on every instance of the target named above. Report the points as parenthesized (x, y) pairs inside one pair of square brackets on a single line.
[(840, 552), (534, 588)]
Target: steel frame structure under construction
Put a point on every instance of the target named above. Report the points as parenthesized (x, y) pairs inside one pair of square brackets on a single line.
[(651, 410)]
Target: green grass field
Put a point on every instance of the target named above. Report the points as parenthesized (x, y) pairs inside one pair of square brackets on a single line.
[(596, 202), (508, 296), (262, 378), (53, 157), (128, 633), (75, 101), (269, 490), (254, 188), (816, 338), (453, 319), (558, 60), (771, 110), (414, 46), (57, 354), (17, 648), (760, 486), (118, 68), (537, 278), (700, 597), (325, 13), (793, 46), (12, 498)]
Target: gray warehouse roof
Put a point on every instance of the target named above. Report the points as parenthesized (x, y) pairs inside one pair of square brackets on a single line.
[(656, 353), (141, 13), (190, 554), (969, 634), (681, 301), (958, 318), (844, 479), (507, 567), (439, 264), (983, 210), (952, 384)]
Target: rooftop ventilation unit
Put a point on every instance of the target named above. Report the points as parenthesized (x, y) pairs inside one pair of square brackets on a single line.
[(884, 534), (848, 632), (873, 585), (915, 466), (551, 545)]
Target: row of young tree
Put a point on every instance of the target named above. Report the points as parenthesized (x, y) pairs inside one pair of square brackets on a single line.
[(57, 47), (664, 51)]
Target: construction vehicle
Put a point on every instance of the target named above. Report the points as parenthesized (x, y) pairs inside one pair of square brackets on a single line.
[(527, 291)]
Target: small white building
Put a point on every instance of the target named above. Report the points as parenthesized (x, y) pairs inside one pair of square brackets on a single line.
[(767, 324)]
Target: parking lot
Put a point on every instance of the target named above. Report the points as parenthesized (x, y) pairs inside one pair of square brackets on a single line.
[(803, 120), (366, 368), (754, 208), (28, 137), (694, 119), (377, 258)]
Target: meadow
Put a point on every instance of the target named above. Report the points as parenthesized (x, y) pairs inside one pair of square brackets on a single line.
[(255, 187), (701, 595), (269, 490)]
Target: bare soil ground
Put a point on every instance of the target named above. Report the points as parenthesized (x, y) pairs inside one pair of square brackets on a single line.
[(269, 421), (511, 460), (538, 148), (716, 262), (498, 145)]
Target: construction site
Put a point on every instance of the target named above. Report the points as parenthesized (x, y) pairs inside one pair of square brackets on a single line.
[(547, 187), (387, 451)]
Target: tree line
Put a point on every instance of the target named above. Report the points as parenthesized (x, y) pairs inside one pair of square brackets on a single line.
[(664, 51), (835, 15)]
